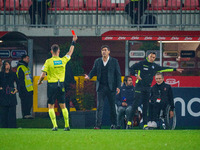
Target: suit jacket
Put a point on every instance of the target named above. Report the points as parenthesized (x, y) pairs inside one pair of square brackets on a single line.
[(114, 74)]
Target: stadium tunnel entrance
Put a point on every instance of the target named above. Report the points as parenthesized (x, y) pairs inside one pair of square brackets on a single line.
[(13, 45)]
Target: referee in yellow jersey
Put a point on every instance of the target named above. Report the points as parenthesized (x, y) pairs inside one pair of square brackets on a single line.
[(54, 68)]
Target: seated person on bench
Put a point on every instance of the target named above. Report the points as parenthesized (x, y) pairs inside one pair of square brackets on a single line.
[(124, 100), (161, 96)]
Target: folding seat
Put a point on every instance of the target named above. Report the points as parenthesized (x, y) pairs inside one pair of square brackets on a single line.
[(107, 5), (25, 5), (92, 5), (122, 4), (1, 4), (12, 4), (76, 5), (59, 5), (157, 5), (191, 4), (173, 5)]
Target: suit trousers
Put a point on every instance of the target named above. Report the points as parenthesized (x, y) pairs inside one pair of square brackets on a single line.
[(26, 103), (102, 93), (8, 116), (141, 97)]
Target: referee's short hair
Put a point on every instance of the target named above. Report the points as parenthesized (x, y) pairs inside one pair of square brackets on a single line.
[(152, 53), (55, 48), (105, 46)]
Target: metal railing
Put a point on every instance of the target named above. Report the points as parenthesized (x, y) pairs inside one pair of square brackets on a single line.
[(99, 14)]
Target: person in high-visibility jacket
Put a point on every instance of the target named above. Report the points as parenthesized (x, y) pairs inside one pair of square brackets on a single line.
[(54, 68), (25, 86), (135, 9)]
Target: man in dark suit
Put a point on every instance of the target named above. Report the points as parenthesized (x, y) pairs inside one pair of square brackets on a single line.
[(108, 84)]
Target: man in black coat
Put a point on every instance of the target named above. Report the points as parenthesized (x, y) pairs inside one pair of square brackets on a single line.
[(108, 83), (161, 96)]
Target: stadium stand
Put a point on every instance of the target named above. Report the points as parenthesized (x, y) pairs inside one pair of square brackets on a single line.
[(76, 5), (107, 5), (12, 5), (25, 5), (157, 5), (92, 5), (59, 5), (191, 4), (1, 4), (173, 5)]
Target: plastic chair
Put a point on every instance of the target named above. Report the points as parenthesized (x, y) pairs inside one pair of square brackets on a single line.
[(107, 5), (92, 4), (157, 5), (121, 6), (173, 5), (25, 5), (12, 4), (76, 5), (190, 4), (59, 5), (1, 4)]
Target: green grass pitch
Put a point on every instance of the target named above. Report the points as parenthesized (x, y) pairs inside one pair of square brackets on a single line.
[(104, 139)]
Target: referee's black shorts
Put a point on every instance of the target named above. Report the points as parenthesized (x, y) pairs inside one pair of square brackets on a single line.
[(55, 92)]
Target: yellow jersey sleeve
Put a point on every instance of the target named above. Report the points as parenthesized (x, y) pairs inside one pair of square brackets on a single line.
[(45, 66), (65, 59)]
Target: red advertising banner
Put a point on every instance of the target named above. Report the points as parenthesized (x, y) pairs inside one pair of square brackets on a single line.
[(179, 81), (150, 38)]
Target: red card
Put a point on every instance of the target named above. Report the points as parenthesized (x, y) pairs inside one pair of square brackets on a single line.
[(73, 33)]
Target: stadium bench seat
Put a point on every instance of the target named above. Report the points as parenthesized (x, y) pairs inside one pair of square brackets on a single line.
[(191, 4), (107, 5), (91, 5), (157, 5), (173, 5), (1, 4), (59, 5), (121, 6), (11, 5), (76, 5), (25, 5)]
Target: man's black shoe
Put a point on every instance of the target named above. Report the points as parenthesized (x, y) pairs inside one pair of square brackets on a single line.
[(112, 127), (67, 129), (55, 129)]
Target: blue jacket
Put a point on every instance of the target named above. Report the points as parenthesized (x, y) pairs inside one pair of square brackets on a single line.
[(126, 94)]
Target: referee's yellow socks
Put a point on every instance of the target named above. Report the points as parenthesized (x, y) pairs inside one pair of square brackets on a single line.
[(66, 117), (53, 117)]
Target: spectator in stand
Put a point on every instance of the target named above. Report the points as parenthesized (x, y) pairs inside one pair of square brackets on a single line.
[(41, 7), (135, 9)]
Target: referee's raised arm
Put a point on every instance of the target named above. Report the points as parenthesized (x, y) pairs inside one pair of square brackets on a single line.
[(71, 50)]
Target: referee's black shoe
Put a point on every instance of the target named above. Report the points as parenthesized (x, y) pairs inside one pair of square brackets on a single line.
[(55, 129), (67, 129)]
